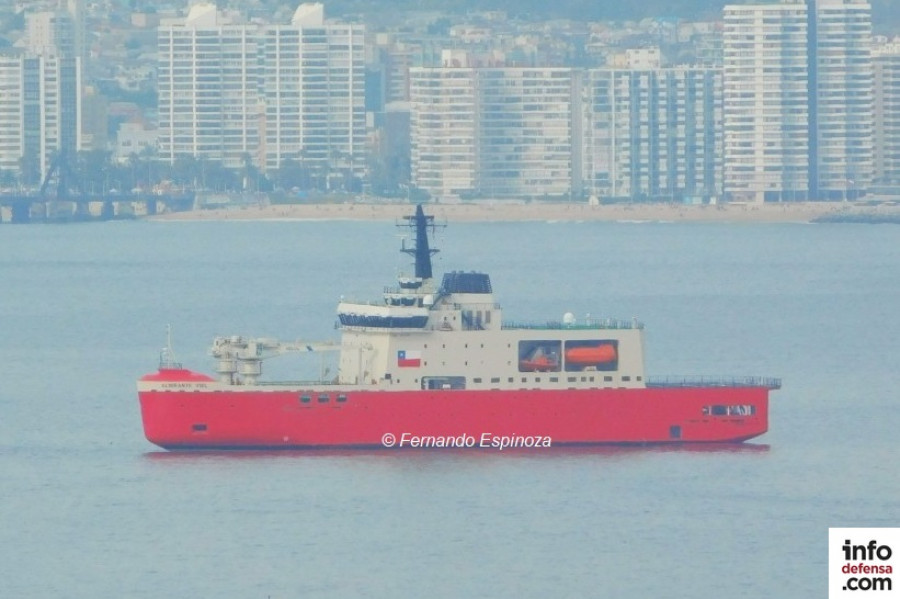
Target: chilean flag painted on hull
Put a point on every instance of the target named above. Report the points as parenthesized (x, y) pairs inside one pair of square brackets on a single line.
[(409, 359)]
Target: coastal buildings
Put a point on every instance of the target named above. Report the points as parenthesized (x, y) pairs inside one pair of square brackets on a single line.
[(798, 100), (526, 142), (561, 133), (766, 101), (443, 130), (841, 146), (493, 132), (40, 112), (40, 95), (207, 81), (653, 134), (886, 65), (312, 94), (233, 91)]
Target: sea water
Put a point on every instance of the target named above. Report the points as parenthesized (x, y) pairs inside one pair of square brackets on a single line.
[(90, 509)]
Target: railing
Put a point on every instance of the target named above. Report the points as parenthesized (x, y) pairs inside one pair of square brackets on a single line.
[(591, 323), (710, 381)]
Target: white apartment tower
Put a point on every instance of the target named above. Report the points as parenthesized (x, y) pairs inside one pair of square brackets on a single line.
[(525, 132), (313, 89), (766, 101), (12, 139), (232, 91), (40, 112), (498, 132), (443, 129), (886, 64), (653, 134), (208, 77), (798, 100)]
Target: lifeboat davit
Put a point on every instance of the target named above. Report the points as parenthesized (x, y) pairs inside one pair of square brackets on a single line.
[(591, 354)]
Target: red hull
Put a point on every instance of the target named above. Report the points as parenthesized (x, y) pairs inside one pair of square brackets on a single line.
[(257, 418)]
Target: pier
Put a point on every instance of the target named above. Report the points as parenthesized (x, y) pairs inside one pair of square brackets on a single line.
[(24, 208)]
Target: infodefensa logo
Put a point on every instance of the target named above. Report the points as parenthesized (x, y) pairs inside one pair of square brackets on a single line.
[(863, 560)]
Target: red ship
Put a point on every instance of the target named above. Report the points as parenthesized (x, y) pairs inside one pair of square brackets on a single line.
[(436, 365)]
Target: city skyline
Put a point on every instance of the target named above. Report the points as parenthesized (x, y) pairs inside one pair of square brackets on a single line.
[(314, 93)]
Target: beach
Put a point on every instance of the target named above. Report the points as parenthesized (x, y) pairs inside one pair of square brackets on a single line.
[(509, 211)]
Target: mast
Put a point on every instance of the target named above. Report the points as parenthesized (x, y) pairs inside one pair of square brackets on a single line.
[(421, 251)]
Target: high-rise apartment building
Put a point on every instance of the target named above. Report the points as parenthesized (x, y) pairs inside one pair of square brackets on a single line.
[(841, 147), (230, 90), (886, 64), (766, 101), (443, 130), (40, 112), (208, 78), (653, 134), (525, 132), (497, 132), (12, 140), (798, 100), (313, 89)]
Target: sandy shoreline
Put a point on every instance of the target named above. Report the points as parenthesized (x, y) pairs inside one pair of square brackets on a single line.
[(495, 212)]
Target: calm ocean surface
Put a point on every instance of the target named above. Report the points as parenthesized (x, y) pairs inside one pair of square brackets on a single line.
[(90, 509)]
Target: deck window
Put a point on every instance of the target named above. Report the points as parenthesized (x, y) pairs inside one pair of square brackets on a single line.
[(732, 410), (443, 382), (323, 398)]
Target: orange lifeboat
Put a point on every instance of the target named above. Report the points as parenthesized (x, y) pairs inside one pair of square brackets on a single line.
[(541, 363), (591, 354)]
